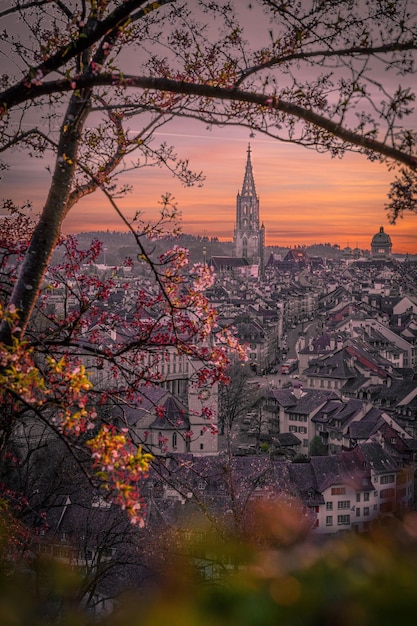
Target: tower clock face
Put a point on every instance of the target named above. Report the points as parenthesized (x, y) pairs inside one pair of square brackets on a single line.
[(204, 394)]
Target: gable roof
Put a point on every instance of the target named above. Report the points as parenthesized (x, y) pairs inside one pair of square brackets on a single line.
[(144, 402)]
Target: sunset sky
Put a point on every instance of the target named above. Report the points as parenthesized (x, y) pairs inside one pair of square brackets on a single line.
[(305, 197)]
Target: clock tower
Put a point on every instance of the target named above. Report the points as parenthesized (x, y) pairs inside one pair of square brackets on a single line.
[(203, 407)]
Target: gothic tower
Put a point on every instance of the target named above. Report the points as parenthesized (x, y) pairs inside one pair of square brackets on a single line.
[(249, 237)]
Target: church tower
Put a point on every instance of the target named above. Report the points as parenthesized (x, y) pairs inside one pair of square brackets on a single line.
[(249, 237)]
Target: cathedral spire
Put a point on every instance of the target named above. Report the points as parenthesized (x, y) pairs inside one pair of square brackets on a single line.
[(248, 187)]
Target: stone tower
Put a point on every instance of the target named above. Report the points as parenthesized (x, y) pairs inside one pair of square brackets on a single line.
[(249, 236)]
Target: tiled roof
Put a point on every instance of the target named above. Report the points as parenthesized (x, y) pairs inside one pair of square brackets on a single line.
[(144, 403), (228, 261), (367, 426), (378, 458), (174, 416), (332, 366), (287, 439), (354, 384), (311, 399)]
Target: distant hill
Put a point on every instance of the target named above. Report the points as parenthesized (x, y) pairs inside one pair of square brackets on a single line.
[(120, 245), (117, 246)]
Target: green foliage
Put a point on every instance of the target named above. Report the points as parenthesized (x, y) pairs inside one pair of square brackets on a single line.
[(275, 574), (317, 447), (343, 581)]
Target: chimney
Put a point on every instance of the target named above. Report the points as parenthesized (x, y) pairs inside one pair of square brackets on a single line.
[(297, 389)]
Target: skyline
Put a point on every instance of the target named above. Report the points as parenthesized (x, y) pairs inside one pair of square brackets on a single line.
[(305, 197)]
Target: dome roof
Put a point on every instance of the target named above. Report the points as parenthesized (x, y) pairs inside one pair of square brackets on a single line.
[(381, 237)]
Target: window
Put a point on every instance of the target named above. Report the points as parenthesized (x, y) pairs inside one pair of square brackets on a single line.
[(343, 504), (358, 511), (174, 440), (338, 491), (302, 429), (375, 494), (329, 520), (329, 506), (366, 510), (358, 497), (343, 520), (292, 429), (305, 442), (201, 446), (388, 478)]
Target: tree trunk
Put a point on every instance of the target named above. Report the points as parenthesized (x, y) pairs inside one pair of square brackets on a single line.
[(48, 229)]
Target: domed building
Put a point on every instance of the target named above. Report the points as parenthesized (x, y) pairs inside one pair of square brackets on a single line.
[(381, 245)]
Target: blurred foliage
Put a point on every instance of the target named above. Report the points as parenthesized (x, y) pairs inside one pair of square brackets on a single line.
[(276, 573)]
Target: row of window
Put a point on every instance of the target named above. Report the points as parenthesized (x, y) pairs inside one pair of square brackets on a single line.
[(342, 520), (298, 429), (331, 384), (345, 504), (171, 368), (387, 478), (366, 510)]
